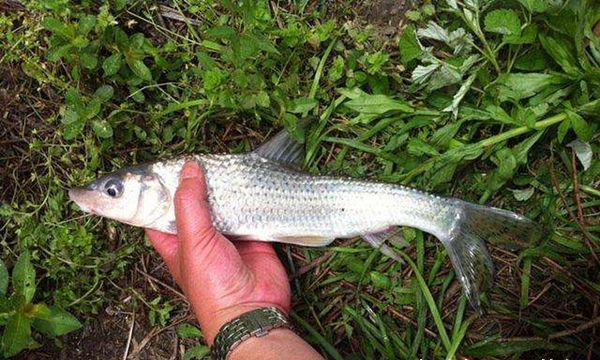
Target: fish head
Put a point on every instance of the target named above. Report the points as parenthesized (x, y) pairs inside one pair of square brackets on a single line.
[(134, 196)]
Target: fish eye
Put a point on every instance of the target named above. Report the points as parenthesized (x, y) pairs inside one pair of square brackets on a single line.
[(113, 188)]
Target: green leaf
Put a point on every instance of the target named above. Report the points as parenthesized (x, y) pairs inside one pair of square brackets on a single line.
[(55, 322), (88, 61), (23, 277), (73, 97), (102, 128), (186, 331), (3, 278), (197, 352), (533, 60), (221, 32), (10, 305), (59, 28), (93, 108), (507, 165), (580, 126), (517, 86), (86, 24), (136, 41), (37, 311), (73, 130), (377, 104), (17, 335), (80, 42), (290, 122), (265, 44), (445, 134), (104, 93), (506, 162), (521, 150), (376, 61), (562, 129), (444, 173), (525, 117), (112, 64), (121, 39), (380, 280), (535, 5), (262, 99), (212, 78), (497, 113), (504, 349), (69, 117), (409, 45), (503, 21), (563, 53), (527, 36), (56, 53), (140, 69), (418, 147), (336, 71), (302, 105)]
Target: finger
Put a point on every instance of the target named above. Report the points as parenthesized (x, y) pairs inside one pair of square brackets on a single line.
[(166, 246), (259, 256), (250, 248), (198, 237)]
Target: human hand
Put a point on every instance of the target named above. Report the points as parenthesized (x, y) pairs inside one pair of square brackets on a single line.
[(221, 279)]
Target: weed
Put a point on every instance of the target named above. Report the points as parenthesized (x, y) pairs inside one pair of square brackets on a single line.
[(493, 102), (19, 315)]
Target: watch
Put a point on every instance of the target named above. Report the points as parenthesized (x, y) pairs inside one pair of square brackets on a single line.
[(257, 323)]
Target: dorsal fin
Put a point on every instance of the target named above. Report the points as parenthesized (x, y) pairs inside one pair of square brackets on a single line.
[(283, 149)]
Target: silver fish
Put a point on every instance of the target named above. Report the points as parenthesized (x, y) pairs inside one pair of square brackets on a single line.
[(263, 195)]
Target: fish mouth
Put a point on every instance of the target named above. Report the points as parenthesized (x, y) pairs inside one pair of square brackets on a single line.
[(81, 196)]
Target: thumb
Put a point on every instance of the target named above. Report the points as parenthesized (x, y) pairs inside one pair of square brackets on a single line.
[(199, 240)]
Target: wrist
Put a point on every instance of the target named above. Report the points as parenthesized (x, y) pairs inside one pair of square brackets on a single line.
[(254, 324), (211, 321), (249, 347), (280, 343)]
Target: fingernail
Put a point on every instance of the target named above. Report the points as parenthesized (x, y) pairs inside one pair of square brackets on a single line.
[(190, 170)]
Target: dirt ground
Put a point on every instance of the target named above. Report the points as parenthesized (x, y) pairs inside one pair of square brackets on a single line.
[(387, 16)]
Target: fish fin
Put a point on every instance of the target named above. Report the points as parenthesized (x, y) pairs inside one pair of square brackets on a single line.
[(467, 250), (283, 148), (378, 239), (305, 240), (308, 240)]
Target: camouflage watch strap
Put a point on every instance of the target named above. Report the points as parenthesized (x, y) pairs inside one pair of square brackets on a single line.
[(253, 323)]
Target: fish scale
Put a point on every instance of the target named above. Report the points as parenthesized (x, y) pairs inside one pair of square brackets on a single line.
[(250, 195)]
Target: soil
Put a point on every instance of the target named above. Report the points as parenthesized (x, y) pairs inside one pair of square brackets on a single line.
[(387, 16), (109, 335)]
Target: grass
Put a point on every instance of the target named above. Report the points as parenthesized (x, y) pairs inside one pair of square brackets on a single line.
[(477, 100)]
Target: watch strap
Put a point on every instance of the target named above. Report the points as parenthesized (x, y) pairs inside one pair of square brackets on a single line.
[(256, 323)]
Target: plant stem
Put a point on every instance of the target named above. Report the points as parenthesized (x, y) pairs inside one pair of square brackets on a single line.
[(319, 73), (590, 190), (542, 124)]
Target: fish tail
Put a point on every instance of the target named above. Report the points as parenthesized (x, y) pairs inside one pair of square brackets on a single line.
[(471, 227)]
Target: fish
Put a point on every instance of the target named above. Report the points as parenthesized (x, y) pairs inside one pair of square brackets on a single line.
[(265, 195)]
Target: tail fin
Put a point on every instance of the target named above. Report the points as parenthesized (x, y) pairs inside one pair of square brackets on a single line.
[(465, 243)]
